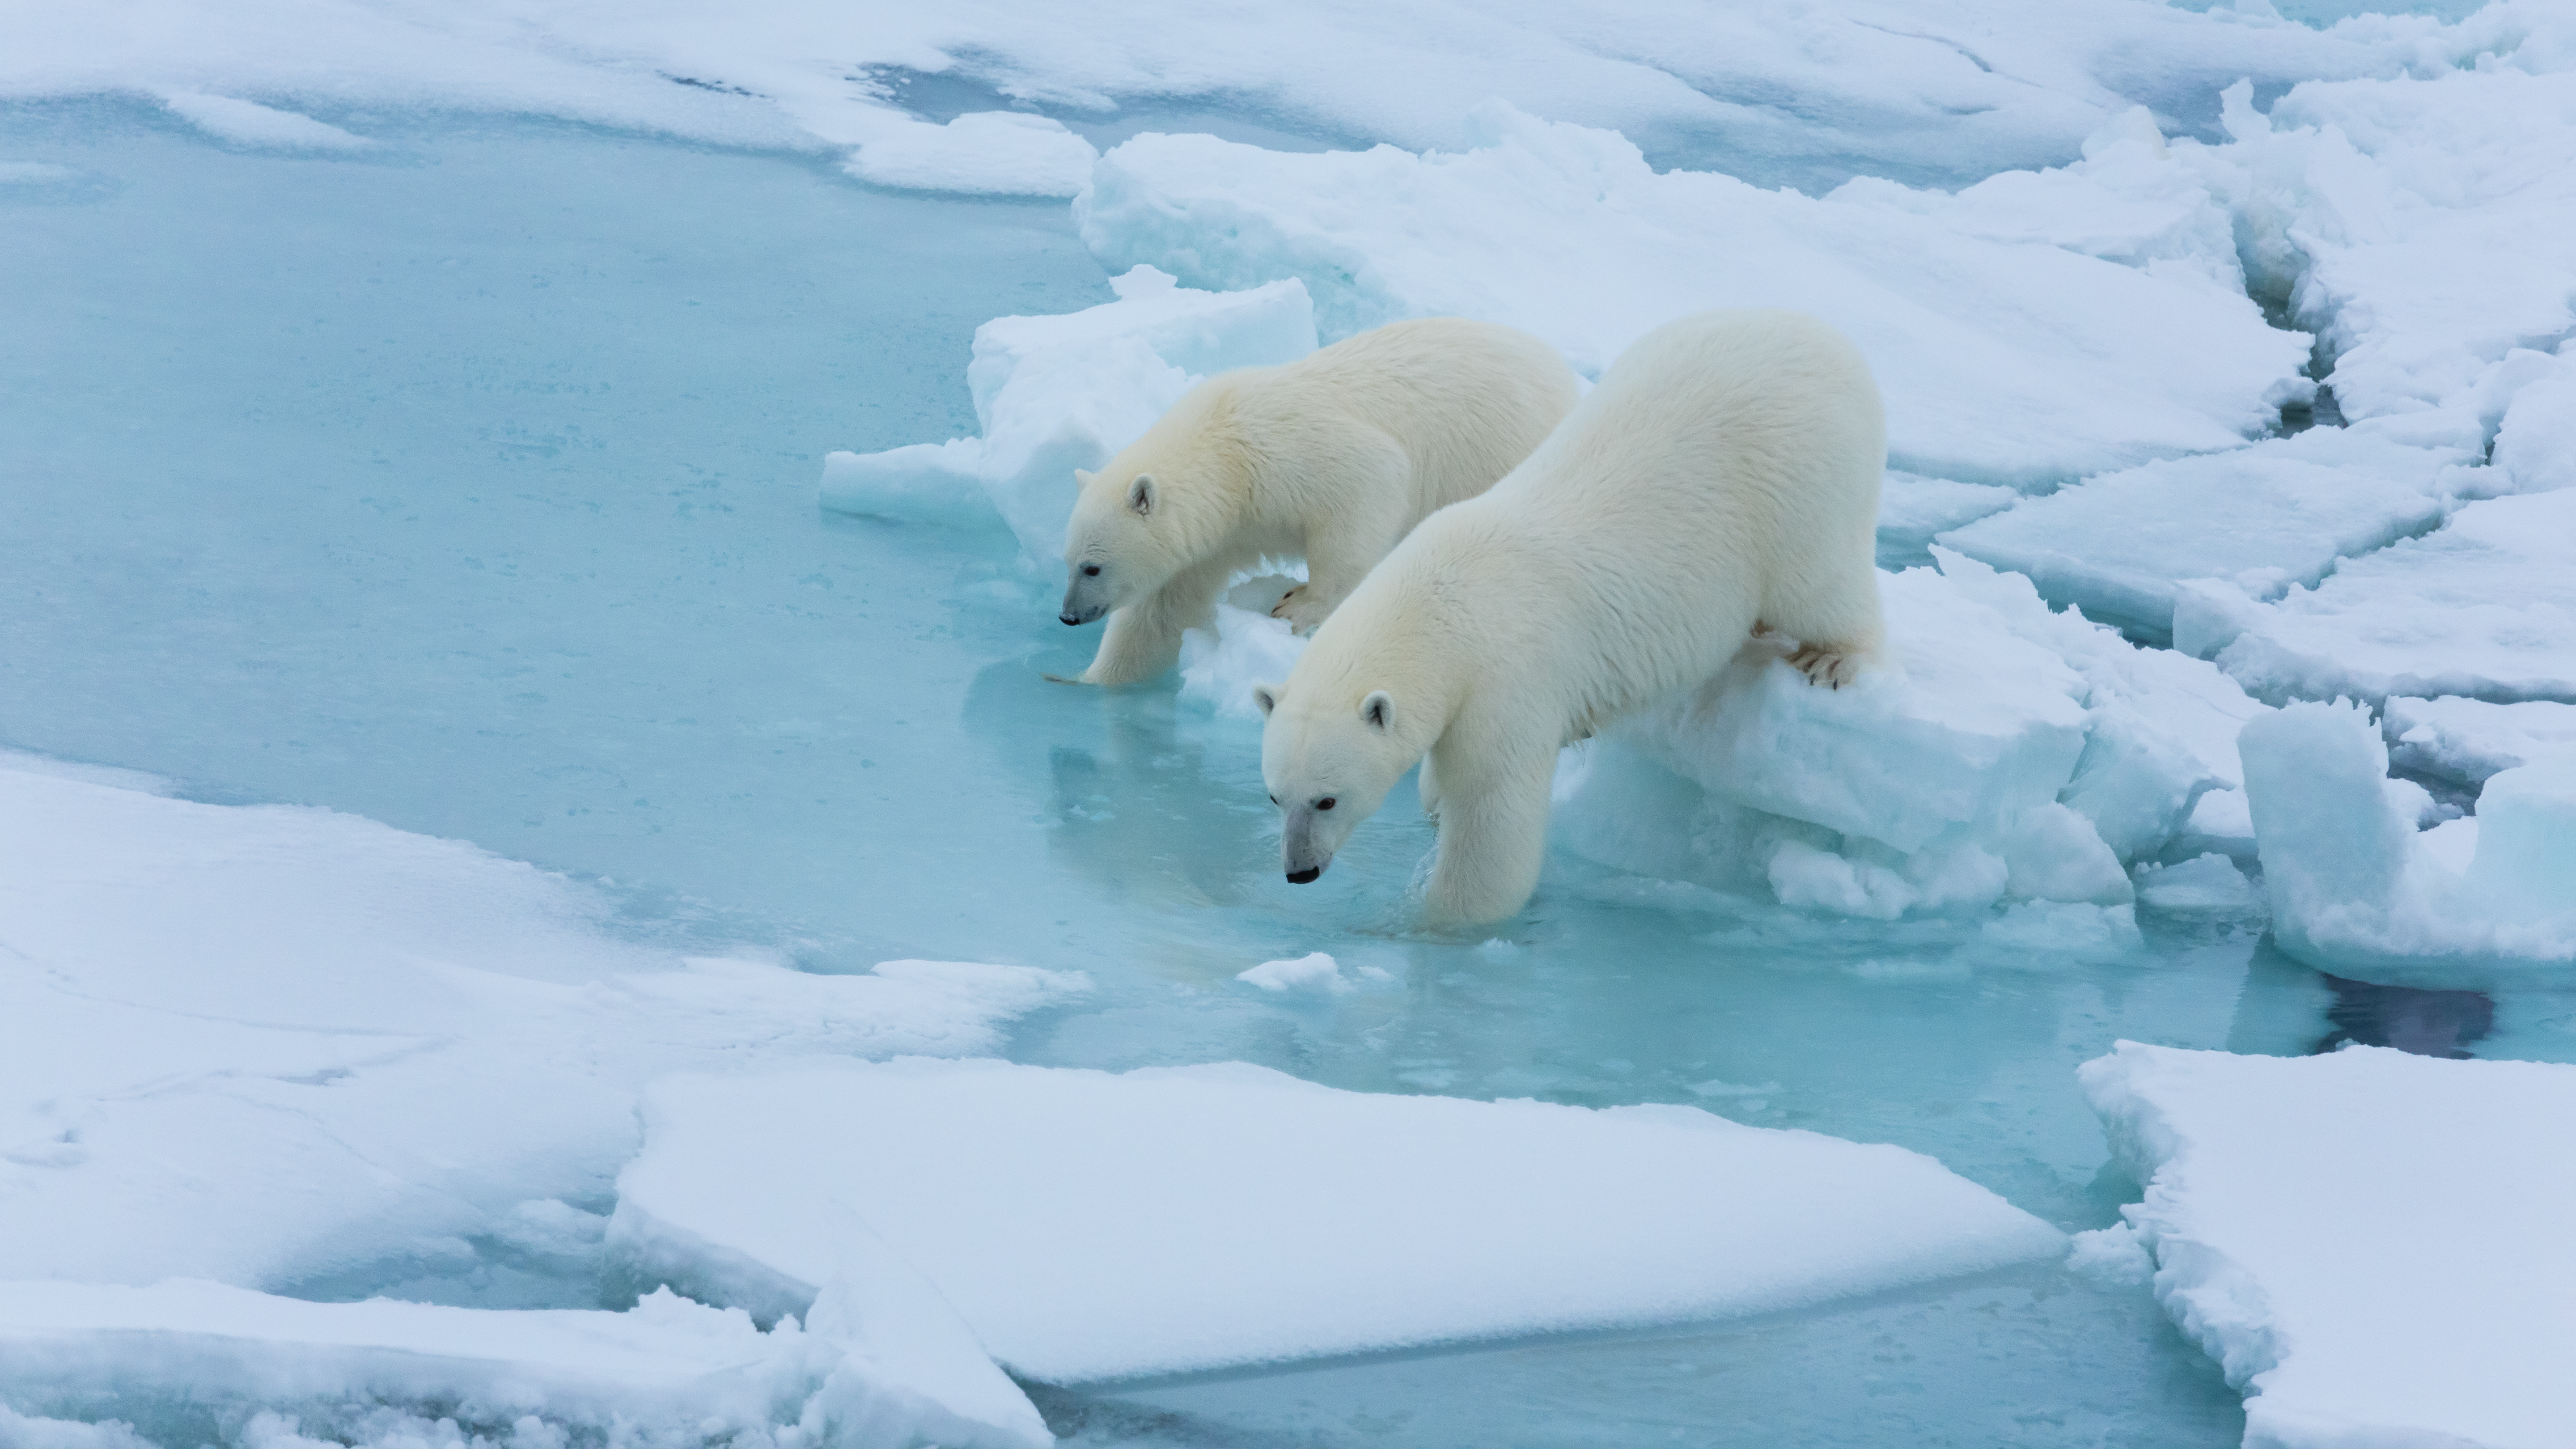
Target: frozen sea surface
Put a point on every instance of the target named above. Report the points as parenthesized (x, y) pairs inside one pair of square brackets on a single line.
[(464, 481)]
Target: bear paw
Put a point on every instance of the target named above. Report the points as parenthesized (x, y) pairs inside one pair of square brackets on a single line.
[(1825, 666), (1300, 608)]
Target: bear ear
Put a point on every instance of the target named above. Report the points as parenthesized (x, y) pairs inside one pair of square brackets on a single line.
[(1265, 698), (1140, 494), (1378, 710), (1083, 479)]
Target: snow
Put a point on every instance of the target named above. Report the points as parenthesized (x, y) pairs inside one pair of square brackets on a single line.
[(251, 124), (1088, 1225), (2484, 607), (894, 1371), (280, 1042), (2469, 740), (2001, 361), (2535, 444), (2371, 1244), (2263, 518), (1004, 152), (2354, 887), (1057, 393)]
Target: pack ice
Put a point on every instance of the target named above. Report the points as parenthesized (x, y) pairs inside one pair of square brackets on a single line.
[(1090, 1226), (2007, 354), (268, 1044), (2372, 1245)]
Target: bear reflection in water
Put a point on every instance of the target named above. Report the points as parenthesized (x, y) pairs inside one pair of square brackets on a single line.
[(2411, 1019)]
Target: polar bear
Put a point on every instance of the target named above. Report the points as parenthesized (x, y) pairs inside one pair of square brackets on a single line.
[(1331, 458), (1722, 480)]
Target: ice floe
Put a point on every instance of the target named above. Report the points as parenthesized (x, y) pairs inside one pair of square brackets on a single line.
[(2258, 519), (2012, 361), (2483, 607), (2356, 888), (2371, 1244), (1088, 1225), (2469, 740), (882, 1370), (280, 1042), (1057, 393)]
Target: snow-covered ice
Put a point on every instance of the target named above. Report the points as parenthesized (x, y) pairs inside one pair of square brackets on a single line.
[(2469, 740), (2011, 361), (2355, 888), (879, 1370), (277, 1043), (1089, 1225), (2259, 519), (2372, 1245), (1314, 974), (1054, 394), (2484, 607)]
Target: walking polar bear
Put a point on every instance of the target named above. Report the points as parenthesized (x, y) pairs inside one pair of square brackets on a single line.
[(1722, 479), (1332, 458)]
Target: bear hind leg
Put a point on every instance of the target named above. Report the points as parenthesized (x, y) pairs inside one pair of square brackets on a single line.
[(1837, 624)]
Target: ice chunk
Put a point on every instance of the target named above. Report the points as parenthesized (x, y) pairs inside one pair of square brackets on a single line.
[(1058, 393), (2001, 362), (668, 1370), (2485, 607), (2470, 739), (1197, 1217), (2013, 752), (1220, 666), (1009, 153), (1315, 974), (2208, 882), (2372, 1245), (267, 1043), (2261, 518), (249, 123), (2354, 888)]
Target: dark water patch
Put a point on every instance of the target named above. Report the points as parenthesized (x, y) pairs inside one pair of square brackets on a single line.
[(2412, 1019)]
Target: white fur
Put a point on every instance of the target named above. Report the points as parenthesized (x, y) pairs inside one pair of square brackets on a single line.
[(1332, 458), (1723, 478)]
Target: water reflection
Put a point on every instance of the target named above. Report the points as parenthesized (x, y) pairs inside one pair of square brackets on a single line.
[(2411, 1019)]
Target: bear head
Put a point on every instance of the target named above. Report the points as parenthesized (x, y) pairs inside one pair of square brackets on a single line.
[(1166, 501), (1329, 756)]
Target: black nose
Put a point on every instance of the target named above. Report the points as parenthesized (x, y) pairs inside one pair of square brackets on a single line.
[(1067, 619), (1301, 877)]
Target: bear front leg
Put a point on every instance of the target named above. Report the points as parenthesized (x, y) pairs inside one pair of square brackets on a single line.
[(1493, 839), (1144, 639), (1427, 785)]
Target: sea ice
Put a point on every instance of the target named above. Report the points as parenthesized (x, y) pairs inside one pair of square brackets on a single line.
[(1057, 393), (2002, 361), (248, 123), (2208, 882), (2372, 1245), (266, 1043), (2484, 607), (2469, 740), (2355, 888), (1313, 974), (2260, 519), (1913, 509), (2535, 445), (882, 1370), (1088, 1225)]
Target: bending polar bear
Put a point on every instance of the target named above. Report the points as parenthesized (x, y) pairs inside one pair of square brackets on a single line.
[(1722, 479), (1333, 458)]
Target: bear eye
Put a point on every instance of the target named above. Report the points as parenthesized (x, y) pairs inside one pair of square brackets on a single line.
[(1091, 571), (1324, 804), (1274, 799)]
